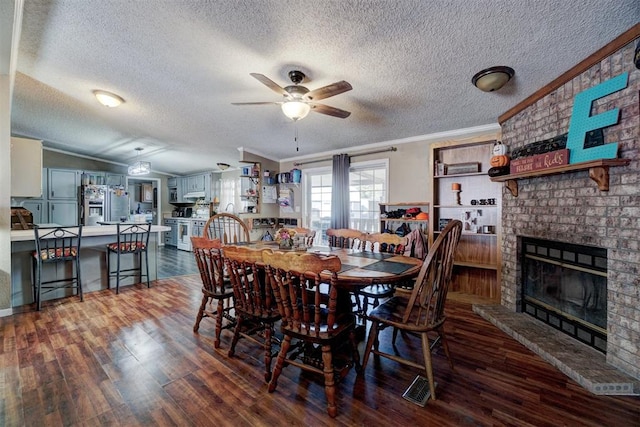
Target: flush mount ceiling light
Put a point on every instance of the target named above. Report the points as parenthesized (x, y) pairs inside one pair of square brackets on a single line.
[(223, 166), (493, 78), (139, 167), (295, 110), (108, 99)]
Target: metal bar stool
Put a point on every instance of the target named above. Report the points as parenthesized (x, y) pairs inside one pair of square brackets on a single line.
[(132, 239), (56, 245)]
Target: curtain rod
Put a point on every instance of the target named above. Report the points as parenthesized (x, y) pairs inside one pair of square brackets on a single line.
[(350, 155)]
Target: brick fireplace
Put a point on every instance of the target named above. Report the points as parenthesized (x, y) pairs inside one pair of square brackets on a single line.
[(570, 208)]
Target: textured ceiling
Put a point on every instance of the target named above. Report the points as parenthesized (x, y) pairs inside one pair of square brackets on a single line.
[(180, 64)]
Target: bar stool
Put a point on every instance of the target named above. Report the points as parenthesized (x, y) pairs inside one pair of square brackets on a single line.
[(132, 239), (56, 245)]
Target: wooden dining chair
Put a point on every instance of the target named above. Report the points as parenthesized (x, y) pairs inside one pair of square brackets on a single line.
[(345, 238), (255, 307), (422, 311), (228, 228), (215, 287), (309, 235), (319, 328), (383, 243)]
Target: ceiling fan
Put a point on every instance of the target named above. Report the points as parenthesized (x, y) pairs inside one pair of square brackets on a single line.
[(298, 100)]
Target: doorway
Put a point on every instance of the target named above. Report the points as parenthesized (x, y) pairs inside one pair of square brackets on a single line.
[(144, 197)]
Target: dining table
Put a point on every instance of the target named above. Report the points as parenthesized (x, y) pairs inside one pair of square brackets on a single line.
[(359, 268)]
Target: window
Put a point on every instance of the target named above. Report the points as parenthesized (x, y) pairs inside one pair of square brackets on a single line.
[(367, 188)]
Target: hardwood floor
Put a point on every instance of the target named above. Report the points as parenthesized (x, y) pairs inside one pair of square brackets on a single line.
[(133, 359), (173, 262)]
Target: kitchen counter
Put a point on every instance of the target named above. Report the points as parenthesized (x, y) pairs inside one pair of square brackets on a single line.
[(87, 231), (93, 262)]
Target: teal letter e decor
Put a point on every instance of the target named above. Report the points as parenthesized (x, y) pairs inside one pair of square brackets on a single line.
[(582, 122)]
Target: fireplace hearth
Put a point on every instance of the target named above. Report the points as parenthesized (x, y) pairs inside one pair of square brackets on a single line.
[(565, 286)]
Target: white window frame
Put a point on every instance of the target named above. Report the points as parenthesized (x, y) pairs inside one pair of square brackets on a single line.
[(306, 189)]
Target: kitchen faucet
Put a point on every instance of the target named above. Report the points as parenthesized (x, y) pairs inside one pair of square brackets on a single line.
[(233, 207)]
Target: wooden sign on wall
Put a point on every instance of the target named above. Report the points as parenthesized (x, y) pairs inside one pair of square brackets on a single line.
[(541, 161)]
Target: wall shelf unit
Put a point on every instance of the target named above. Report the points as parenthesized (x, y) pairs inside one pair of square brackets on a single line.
[(393, 223), (475, 200)]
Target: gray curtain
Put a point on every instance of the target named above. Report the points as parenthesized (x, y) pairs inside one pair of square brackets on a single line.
[(340, 192)]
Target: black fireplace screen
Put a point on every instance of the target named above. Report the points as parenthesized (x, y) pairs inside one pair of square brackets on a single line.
[(565, 286)]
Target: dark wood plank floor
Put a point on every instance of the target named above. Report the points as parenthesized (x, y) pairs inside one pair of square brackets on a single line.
[(133, 359), (173, 262)]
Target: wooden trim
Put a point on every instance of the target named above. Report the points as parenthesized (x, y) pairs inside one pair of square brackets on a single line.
[(616, 44)]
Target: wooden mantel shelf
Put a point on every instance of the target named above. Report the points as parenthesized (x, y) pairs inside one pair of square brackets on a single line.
[(598, 171)]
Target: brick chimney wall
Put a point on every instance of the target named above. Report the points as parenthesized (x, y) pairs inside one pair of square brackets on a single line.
[(570, 208)]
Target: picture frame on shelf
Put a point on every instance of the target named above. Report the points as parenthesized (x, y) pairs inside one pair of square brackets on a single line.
[(461, 168)]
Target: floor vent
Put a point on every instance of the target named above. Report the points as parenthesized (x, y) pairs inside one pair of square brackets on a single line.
[(418, 392)]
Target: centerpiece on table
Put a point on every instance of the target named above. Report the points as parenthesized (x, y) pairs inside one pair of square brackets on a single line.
[(284, 238)]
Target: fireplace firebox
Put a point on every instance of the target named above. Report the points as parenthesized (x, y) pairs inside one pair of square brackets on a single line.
[(565, 286)]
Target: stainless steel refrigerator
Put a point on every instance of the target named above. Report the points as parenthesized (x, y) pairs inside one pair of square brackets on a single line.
[(103, 203)]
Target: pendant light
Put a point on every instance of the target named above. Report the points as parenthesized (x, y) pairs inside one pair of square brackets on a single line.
[(139, 167)]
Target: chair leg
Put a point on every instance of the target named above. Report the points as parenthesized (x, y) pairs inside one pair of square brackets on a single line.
[(329, 381), (236, 335), (203, 305), (373, 337), (445, 345), (354, 350), (78, 278), (219, 313), (146, 263), (426, 352), (268, 332), (284, 348), (108, 269), (118, 273)]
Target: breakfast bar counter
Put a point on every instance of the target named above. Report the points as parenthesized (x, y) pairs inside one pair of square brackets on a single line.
[(93, 261)]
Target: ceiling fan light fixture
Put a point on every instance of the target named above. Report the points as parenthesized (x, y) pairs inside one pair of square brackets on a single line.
[(295, 110), (108, 99), (139, 167), (493, 78)]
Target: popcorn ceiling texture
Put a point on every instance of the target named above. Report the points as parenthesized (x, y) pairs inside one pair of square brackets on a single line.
[(570, 208)]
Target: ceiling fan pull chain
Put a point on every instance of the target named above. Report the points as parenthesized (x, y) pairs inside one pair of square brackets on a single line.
[(295, 126)]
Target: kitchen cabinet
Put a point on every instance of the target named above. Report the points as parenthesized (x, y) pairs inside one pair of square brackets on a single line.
[(389, 222), (63, 184), (38, 209), (197, 228), (92, 178), (146, 193), (172, 182), (63, 212), (171, 237), (26, 168), (115, 179), (458, 192), (196, 187)]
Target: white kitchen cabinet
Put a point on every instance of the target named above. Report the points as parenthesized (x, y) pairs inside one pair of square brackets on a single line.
[(26, 167)]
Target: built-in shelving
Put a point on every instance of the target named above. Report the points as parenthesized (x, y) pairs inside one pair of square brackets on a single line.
[(477, 265)]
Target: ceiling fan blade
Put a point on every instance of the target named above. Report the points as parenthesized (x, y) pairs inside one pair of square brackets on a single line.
[(329, 111), (327, 91), (255, 103), (270, 84)]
